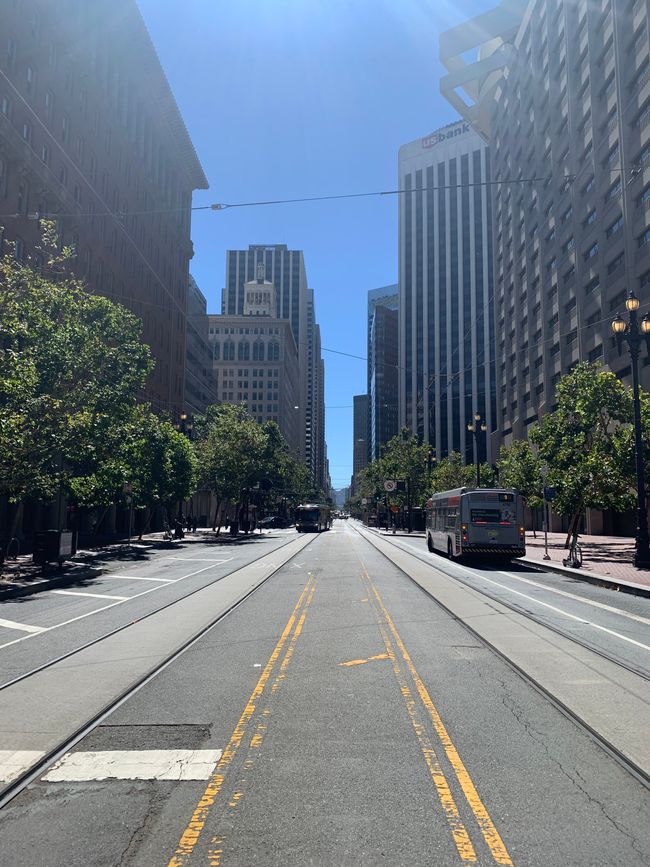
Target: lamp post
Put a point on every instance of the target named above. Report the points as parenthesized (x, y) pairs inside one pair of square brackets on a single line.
[(431, 459), (634, 332), (478, 425)]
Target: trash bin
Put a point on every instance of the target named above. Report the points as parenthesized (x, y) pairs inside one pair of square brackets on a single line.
[(53, 546), (234, 528)]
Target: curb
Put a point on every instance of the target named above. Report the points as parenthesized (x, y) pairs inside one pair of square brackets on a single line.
[(89, 571), (589, 577), (9, 592)]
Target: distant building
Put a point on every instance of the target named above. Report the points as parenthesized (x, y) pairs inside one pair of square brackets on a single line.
[(383, 367), (91, 137), (199, 378), (255, 360), (294, 302), (360, 436), (446, 330)]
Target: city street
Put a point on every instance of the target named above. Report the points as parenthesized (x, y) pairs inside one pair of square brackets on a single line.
[(363, 702)]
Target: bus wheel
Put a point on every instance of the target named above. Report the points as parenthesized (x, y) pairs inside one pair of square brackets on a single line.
[(450, 550), (429, 543)]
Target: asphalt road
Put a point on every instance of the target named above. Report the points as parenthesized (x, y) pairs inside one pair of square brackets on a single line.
[(617, 624), (35, 629), (337, 717)]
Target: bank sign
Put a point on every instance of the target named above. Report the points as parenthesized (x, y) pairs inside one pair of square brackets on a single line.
[(437, 137)]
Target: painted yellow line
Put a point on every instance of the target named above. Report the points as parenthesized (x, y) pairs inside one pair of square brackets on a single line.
[(215, 853), (485, 823), (458, 831), (190, 835), (363, 661)]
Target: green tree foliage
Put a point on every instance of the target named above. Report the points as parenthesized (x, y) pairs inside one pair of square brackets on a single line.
[(451, 473), (584, 442), (71, 367), (402, 458), (519, 467), (162, 465)]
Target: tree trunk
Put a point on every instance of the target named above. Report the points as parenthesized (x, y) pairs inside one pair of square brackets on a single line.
[(573, 526), (217, 510)]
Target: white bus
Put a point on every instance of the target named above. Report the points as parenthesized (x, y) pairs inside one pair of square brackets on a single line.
[(486, 521)]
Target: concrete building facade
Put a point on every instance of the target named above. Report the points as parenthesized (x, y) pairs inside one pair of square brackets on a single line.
[(561, 91), (383, 367), (91, 137), (256, 362), (446, 327), (294, 302), (199, 379), (359, 437)]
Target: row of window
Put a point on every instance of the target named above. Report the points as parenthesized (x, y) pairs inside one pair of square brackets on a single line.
[(258, 351)]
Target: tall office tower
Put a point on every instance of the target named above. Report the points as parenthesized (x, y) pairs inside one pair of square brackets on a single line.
[(383, 366), (91, 137), (561, 91), (360, 437), (255, 360), (315, 449), (286, 270), (446, 326), (199, 379)]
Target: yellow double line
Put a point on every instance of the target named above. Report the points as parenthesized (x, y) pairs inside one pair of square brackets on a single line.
[(195, 826), (459, 832)]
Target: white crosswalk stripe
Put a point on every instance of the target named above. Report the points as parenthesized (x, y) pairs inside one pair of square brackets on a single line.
[(79, 767)]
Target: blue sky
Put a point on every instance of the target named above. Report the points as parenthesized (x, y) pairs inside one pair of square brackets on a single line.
[(290, 98)]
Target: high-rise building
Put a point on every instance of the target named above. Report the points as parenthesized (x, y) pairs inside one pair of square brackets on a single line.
[(360, 437), (294, 302), (255, 360), (315, 410), (383, 367), (445, 289), (199, 379), (561, 91), (91, 137)]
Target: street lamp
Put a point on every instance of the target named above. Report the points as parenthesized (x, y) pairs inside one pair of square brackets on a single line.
[(633, 332), (476, 427), (431, 459)]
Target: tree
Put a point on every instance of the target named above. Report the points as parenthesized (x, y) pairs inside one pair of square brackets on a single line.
[(230, 452), (71, 367), (520, 468), (450, 473), (162, 465), (583, 442)]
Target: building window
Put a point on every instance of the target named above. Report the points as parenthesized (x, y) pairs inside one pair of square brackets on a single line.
[(614, 227), (243, 351), (591, 252), (65, 128), (27, 132), (45, 154), (216, 351), (643, 239)]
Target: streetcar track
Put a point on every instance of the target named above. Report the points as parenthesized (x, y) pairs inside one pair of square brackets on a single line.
[(618, 755), (513, 606), (16, 786), (130, 623)]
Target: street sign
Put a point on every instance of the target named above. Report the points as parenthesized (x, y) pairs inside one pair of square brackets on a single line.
[(364, 501), (390, 485), (550, 493), (394, 508)]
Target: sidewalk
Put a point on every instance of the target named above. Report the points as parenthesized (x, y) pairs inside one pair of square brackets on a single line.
[(605, 559), (22, 577), (608, 556)]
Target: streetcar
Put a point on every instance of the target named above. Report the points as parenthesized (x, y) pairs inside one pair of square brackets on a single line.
[(483, 521), (313, 516)]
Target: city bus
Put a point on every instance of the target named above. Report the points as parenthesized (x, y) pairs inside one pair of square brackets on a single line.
[(483, 521), (313, 516)]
